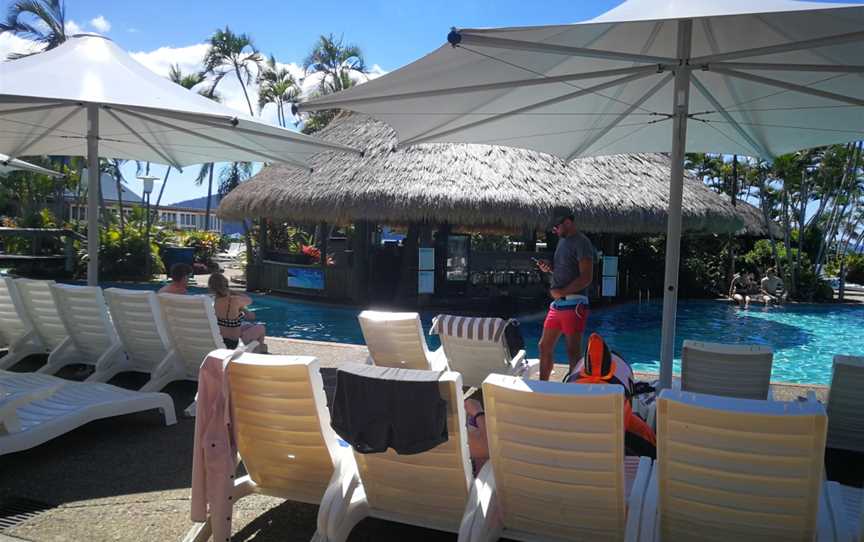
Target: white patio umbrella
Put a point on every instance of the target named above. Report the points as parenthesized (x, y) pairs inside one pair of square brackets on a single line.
[(756, 78), (8, 166), (88, 97)]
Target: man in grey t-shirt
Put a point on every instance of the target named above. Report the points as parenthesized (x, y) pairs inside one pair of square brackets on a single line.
[(572, 271)]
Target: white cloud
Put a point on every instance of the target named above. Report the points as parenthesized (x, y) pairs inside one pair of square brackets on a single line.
[(101, 24), (160, 60), (189, 58), (73, 28), (10, 43)]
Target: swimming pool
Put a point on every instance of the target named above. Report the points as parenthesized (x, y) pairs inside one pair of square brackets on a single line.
[(805, 337)]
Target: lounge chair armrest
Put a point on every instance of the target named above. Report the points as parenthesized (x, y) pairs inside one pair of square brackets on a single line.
[(438, 360), (339, 493), (9, 422), (481, 520), (636, 498), (517, 359), (833, 514)]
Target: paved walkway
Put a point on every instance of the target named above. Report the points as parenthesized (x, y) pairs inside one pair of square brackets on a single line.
[(128, 478)]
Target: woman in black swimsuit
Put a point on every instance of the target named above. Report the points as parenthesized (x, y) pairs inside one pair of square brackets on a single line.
[(233, 317)]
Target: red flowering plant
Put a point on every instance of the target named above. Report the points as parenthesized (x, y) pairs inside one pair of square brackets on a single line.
[(313, 253)]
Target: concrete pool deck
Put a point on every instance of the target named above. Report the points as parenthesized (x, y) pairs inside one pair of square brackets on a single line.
[(128, 478)]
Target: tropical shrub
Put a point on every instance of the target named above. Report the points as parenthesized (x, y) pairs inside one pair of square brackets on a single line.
[(205, 243)]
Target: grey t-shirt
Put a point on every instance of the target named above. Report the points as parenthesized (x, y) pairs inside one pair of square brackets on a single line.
[(565, 264)]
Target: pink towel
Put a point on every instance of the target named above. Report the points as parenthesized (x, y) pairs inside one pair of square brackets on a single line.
[(214, 460)]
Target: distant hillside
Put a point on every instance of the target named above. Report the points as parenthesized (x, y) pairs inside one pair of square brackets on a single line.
[(228, 228), (197, 203)]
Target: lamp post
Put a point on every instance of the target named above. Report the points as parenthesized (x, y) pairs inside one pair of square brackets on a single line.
[(147, 180)]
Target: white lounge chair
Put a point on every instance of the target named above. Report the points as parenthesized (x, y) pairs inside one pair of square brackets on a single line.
[(556, 468), (91, 338), (138, 320), (283, 431), (429, 489), (853, 505), (37, 302), (845, 404), (738, 469), (235, 250), (16, 330), (395, 339), (192, 333), (741, 371), (41, 411), (476, 348)]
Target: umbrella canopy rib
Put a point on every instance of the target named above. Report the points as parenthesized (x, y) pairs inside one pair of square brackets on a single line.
[(758, 148), (582, 92), (791, 86), (29, 144), (466, 38), (142, 139), (780, 48), (206, 137), (588, 143)]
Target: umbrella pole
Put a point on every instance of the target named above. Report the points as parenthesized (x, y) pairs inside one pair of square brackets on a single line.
[(676, 187), (93, 194)]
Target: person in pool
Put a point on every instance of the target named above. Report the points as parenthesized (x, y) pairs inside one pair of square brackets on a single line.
[(179, 275), (233, 317), (572, 271), (772, 288), (741, 288)]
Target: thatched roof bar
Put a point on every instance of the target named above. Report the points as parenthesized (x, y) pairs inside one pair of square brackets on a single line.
[(480, 186)]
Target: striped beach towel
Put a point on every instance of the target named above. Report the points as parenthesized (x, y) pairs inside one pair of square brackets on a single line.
[(469, 327)]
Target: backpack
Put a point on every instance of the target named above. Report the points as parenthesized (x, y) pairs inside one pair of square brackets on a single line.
[(513, 338)]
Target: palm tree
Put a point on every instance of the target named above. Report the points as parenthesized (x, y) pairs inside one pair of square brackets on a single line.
[(335, 62), (185, 80), (232, 52), (113, 168), (42, 21), (276, 86), (189, 81)]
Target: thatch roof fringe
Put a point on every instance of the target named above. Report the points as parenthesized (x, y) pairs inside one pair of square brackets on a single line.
[(471, 185)]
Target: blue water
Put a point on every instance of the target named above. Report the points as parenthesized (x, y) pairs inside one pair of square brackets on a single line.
[(804, 337)]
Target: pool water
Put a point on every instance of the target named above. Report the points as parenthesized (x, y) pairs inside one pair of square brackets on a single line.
[(804, 337)]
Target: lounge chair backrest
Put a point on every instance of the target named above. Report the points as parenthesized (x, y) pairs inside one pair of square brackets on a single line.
[(395, 339), (557, 451), (740, 371), (191, 328), (474, 347), (428, 489), (14, 322), (738, 469), (39, 304), (282, 424), (85, 316), (846, 403), (138, 321)]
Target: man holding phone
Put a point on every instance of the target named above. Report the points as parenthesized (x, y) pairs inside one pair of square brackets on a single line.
[(572, 271)]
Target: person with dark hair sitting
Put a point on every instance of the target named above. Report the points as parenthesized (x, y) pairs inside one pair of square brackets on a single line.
[(179, 275)]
